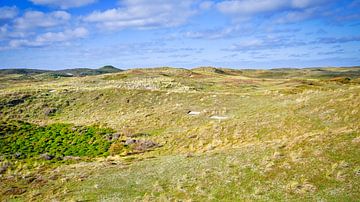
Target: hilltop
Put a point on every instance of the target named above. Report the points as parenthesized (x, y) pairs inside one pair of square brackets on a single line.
[(199, 134)]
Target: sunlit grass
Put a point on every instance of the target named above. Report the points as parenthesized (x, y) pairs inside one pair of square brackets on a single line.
[(289, 135)]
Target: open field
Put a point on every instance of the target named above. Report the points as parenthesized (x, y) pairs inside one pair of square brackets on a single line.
[(281, 134)]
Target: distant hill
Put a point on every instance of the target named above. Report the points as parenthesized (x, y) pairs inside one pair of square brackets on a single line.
[(22, 71), (62, 73), (223, 71), (109, 69)]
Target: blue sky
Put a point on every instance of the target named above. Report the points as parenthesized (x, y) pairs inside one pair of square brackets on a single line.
[(58, 34)]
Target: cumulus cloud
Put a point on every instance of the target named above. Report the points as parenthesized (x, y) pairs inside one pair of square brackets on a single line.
[(67, 35), (50, 38), (6, 32), (144, 14), (64, 4), (34, 19), (8, 12), (39, 29)]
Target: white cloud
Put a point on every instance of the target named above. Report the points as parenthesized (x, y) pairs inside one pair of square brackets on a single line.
[(144, 14), (33, 19), (253, 7), (3, 31), (62, 36), (294, 16), (307, 3), (249, 7), (8, 12), (64, 4), (219, 33), (50, 38), (6, 33), (265, 43)]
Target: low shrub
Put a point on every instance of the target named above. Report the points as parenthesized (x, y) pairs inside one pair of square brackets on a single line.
[(25, 140), (116, 148)]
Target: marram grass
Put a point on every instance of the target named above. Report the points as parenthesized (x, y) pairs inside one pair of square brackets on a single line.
[(289, 135)]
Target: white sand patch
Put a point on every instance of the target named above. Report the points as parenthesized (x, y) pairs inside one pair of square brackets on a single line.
[(219, 117), (193, 113)]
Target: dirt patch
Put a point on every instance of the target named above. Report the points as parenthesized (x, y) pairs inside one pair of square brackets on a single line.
[(141, 145)]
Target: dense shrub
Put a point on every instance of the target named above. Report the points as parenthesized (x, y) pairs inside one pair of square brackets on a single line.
[(24, 140)]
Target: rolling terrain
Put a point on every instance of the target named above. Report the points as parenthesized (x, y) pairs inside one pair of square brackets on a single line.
[(202, 134)]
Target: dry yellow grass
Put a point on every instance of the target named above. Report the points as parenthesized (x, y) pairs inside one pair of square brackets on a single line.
[(289, 135)]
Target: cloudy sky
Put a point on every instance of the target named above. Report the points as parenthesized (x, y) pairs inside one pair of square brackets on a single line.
[(57, 34)]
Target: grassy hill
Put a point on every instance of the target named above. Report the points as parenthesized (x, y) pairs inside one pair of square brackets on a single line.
[(60, 73), (278, 135), (22, 71)]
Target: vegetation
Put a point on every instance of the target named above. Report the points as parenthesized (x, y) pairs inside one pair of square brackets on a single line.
[(283, 134), (34, 73), (24, 140)]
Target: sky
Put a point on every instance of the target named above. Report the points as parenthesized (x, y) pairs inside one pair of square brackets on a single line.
[(59, 34)]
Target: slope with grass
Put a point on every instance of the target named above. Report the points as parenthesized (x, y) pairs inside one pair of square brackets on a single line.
[(287, 134)]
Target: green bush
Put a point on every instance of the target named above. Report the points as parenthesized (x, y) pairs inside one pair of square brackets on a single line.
[(24, 140)]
